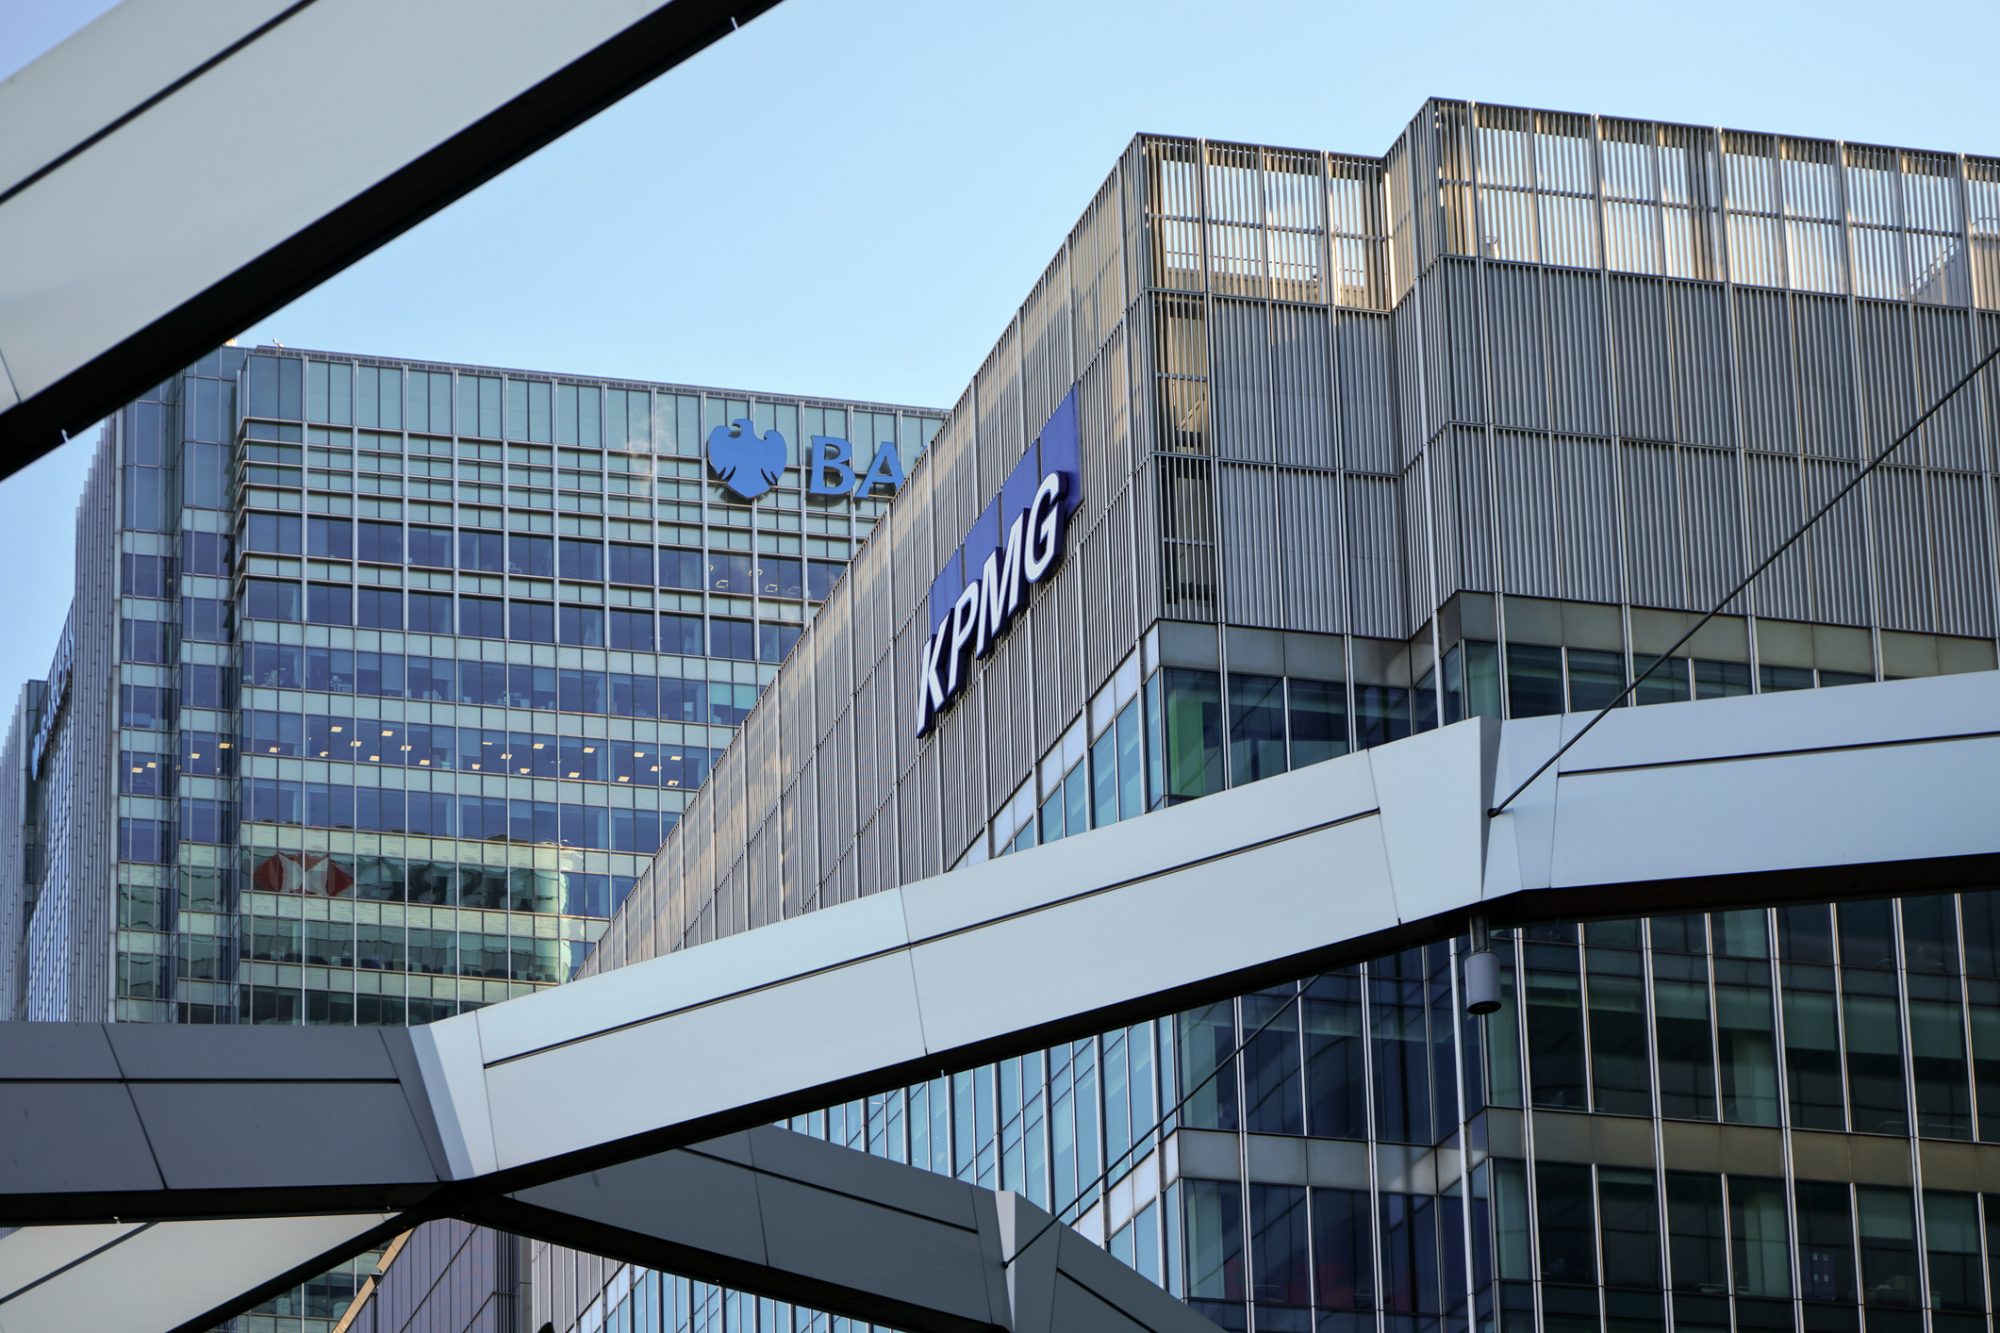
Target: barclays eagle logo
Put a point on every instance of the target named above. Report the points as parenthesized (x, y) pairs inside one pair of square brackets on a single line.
[(746, 464)]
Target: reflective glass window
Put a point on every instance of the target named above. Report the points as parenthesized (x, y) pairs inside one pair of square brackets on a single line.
[(1318, 720), (1256, 727)]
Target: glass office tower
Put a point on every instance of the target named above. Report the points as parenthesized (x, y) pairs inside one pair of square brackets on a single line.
[(1370, 444), (384, 679)]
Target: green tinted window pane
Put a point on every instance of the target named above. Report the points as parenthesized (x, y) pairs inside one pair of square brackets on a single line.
[(1951, 1236), (1758, 1237), (1596, 678), (1720, 680), (1695, 1244), (1631, 1214), (1888, 1248), (1667, 685), (1555, 1026), (1746, 1036), (1194, 733), (1534, 680), (1621, 1072), (1937, 1055)]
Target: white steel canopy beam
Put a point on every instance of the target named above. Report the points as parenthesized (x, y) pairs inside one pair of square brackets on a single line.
[(1671, 807), (788, 1217), (128, 254)]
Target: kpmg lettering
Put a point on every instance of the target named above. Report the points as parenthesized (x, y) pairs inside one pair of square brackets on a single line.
[(974, 599)]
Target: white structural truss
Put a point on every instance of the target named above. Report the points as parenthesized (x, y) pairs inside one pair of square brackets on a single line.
[(576, 1113), (131, 254)]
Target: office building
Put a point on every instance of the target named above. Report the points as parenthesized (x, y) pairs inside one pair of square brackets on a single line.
[(384, 679), (1363, 445)]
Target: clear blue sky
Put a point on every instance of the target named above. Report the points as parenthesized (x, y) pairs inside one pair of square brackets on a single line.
[(851, 196)]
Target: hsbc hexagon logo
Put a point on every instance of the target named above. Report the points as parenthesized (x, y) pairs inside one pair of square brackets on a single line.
[(743, 461)]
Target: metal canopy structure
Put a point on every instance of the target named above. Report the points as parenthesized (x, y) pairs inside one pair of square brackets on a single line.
[(126, 1144), (125, 265)]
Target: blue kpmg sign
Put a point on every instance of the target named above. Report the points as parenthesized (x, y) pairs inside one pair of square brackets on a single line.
[(1015, 543), (749, 464)]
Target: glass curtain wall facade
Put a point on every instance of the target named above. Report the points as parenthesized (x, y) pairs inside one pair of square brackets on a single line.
[(1370, 444), (385, 679)]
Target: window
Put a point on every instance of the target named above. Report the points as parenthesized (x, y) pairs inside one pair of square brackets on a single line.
[(780, 576), (1680, 1004), (582, 559), (681, 634), (1256, 727), (204, 553), (681, 568), (1777, 679), (480, 551), (634, 695), (1631, 1214), (1194, 733), (1409, 1256), (631, 564), (632, 630), (581, 691), (730, 573), (530, 555), (582, 625), (1696, 1250), (1888, 1248), (332, 538), (731, 639), (821, 575), (531, 622), (430, 612), (274, 533), (1336, 1077), (1272, 1094), (329, 604), (1596, 678), (1318, 720), (775, 641), (1278, 1249), (1761, 1250), (330, 669), (382, 542), (379, 608), (531, 686), (1874, 1025), (430, 547), (586, 826), (1343, 1253), (280, 665), (1826, 1247), (1534, 680), (1555, 1017), (1381, 714), (269, 599), (1215, 1249), (481, 618)]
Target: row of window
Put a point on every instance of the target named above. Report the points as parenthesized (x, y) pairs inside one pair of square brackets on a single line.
[(531, 555), (1599, 1246), (521, 621), (327, 805), (392, 743), (462, 680)]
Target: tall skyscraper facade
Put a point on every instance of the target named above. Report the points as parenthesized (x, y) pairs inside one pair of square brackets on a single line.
[(385, 679), (1348, 447)]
